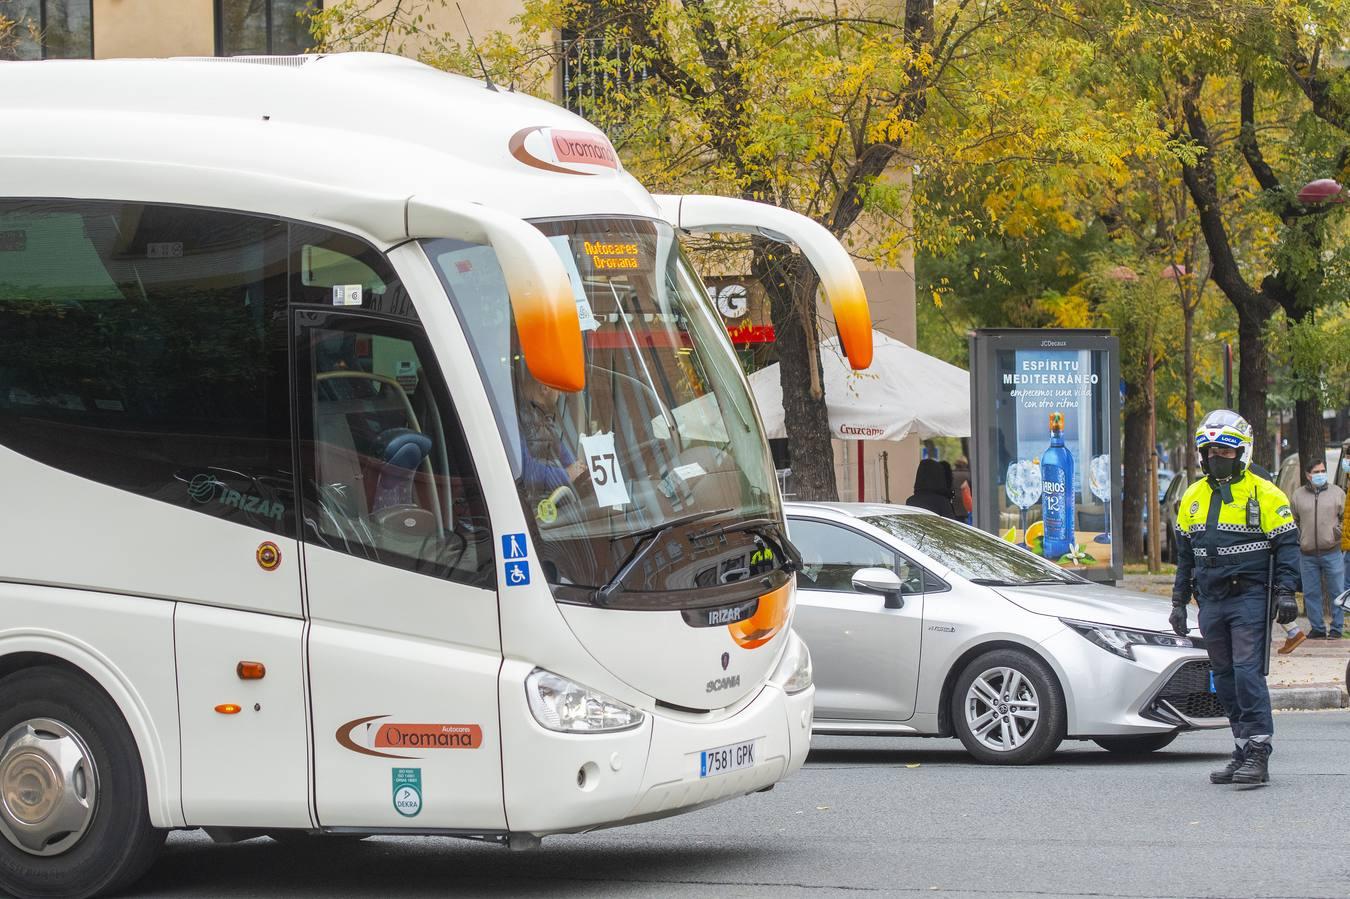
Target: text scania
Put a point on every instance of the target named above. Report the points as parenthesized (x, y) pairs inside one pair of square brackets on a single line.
[(724, 683)]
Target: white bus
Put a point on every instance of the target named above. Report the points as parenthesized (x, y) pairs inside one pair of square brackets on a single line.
[(373, 463)]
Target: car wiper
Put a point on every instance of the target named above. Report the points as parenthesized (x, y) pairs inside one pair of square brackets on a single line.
[(996, 582), (766, 529), (640, 549)]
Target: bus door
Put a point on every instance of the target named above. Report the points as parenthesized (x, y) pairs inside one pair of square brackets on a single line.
[(403, 646)]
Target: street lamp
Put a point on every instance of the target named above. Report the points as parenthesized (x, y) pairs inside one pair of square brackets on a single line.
[(1323, 190)]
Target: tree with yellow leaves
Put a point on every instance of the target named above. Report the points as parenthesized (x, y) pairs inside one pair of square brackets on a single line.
[(824, 108)]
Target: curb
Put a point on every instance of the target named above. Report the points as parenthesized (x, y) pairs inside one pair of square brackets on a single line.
[(1308, 698)]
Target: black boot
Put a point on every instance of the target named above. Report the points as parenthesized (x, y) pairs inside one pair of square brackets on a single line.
[(1225, 774), (1255, 770)]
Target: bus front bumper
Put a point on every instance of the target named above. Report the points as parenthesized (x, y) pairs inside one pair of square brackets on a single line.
[(569, 783)]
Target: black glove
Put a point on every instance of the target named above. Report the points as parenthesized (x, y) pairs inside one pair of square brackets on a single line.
[(1286, 609), (1178, 620)]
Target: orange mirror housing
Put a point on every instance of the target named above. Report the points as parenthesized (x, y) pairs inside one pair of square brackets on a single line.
[(838, 276), (541, 296)]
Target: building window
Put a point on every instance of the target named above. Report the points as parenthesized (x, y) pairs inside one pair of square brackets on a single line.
[(263, 27), (48, 29), (595, 72)]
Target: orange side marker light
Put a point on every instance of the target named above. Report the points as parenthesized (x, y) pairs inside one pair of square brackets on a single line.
[(228, 708), (251, 670)]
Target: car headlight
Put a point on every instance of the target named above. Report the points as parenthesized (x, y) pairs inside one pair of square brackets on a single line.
[(793, 673), (566, 706), (1122, 641)]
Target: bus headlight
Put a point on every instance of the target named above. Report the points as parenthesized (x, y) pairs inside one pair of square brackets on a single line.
[(793, 673), (566, 706)]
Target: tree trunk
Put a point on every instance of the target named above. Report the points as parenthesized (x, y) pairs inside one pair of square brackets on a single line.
[(1311, 442), (1252, 381), (1135, 487), (1188, 375), (1308, 414), (791, 287), (1151, 481)]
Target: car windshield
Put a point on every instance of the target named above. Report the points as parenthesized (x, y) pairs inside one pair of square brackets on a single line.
[(664, 437), (970, 553)]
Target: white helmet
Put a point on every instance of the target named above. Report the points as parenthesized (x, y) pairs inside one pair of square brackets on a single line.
[(1224, 427)]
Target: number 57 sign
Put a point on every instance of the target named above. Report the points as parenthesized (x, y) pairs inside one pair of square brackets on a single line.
[(603, 464)]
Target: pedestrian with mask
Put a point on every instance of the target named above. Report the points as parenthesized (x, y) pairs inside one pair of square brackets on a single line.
[(1318, 508), (1237, 543)]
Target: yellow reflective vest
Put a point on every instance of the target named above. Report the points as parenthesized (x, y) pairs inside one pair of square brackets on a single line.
[(1225, 548)]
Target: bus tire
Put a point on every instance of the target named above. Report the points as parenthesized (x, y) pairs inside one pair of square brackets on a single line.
[(88, 833)]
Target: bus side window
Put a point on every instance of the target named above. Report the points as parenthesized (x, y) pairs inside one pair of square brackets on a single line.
[(144, 347), (386, 474)]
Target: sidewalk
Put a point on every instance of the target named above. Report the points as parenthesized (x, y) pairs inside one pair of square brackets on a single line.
[(1311, 677)]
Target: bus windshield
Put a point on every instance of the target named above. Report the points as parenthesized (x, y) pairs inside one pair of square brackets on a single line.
[(663, 444)]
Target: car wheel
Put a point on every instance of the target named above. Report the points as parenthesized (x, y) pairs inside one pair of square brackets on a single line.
[(1141, 745), (74, 817), (1008, 708)]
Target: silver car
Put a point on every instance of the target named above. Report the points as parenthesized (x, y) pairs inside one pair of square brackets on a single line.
[(921, 626)]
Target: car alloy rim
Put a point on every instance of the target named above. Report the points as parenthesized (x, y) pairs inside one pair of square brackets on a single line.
[(1002, 709), (48, 787)]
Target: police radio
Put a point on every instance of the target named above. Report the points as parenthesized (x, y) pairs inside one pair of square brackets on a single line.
[(1253, 512)]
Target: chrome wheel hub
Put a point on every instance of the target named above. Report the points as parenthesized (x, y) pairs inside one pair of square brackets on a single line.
[(1002, 709), (48, 787)]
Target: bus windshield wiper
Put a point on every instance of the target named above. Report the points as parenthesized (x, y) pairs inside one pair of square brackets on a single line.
[(640, 549)]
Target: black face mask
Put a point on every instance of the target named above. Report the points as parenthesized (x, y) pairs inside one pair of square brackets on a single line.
[(1221, 468)]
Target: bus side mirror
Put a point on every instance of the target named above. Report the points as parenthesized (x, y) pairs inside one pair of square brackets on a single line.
[(541, 295), (838, 275)]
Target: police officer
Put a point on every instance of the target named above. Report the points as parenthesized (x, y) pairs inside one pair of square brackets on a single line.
[(1229, 525)]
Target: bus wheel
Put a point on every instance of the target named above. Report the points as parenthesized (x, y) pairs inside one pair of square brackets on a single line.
[(74, 816)]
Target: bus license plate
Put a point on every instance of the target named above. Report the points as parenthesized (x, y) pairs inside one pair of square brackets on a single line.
[(726, 758)]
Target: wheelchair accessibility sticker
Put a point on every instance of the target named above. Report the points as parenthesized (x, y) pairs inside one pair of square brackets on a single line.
[(514, 552), (517, 574)]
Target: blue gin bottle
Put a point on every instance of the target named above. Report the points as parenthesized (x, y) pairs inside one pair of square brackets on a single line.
[(1057, 492)]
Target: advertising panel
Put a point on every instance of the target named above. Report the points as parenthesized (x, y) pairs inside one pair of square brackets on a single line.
[(1045, 446)]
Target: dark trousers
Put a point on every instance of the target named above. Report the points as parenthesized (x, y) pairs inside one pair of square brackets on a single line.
[(1235, 631)]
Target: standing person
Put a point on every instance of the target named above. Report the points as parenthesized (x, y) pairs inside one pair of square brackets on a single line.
[(958, 511), (961, 497), (1318, 507), (1345, 521), (931, 491), (1233, 530)]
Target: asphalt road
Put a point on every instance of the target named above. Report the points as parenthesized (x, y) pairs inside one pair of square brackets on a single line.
[(887, 817)]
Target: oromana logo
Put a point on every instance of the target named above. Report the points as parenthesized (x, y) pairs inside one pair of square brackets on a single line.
[(577, 147), (357, 736)]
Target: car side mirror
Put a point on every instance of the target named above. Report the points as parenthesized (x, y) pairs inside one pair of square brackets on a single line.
[(881, 581)]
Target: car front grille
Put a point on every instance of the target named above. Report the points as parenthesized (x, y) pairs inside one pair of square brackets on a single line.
[(1188, 692)]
